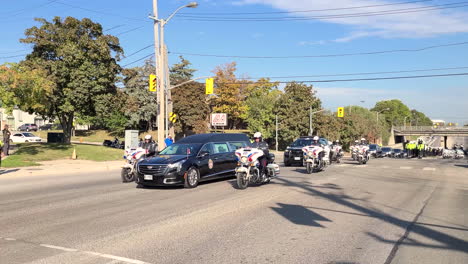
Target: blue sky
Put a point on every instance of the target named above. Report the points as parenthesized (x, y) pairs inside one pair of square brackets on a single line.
[(314, 33)]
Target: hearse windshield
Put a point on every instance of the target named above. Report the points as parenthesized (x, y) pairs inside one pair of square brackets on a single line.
[(182, 149)]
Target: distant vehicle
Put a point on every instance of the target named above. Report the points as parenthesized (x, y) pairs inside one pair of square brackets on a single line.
[(398, 153), (24, 138), (27, 127), (375, 151), (294, 154), (192, 160), (387, 152), (47, 127)]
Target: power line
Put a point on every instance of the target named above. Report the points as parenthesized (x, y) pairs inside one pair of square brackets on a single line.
[(140, 50), (128, 31), (354, 74), (140, 59), (325, 55), (327, 17), (374, 79), (312, 10), (99, 12), (19, 11), (15, 56)]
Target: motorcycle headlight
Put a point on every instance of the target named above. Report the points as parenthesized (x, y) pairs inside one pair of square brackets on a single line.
[(177, 165), (244, 159)]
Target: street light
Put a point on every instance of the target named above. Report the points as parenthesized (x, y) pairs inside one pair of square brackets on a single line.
[(404, 121), (162, 69), (311, 131), (381, 111)]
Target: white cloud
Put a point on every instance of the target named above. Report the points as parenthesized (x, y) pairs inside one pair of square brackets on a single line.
[(404, 25)]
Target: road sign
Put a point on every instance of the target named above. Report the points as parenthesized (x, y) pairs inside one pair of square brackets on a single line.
[(209, 86), (152, 83), (172, 117), (219, 119), (340, 112)]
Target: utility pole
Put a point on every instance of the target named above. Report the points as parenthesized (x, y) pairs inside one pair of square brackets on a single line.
[(276, 133), (310, 122), (160, 77)]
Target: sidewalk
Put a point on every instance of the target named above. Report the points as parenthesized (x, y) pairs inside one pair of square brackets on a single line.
[(62, 167)]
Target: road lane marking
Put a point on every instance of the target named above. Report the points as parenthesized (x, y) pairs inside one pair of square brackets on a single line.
[(405, 168), (127, 260), (361, 166), (59, 248), (115, 259), (384, 167), (429, 169)]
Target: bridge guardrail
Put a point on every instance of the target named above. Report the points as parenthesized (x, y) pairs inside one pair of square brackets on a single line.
[(429, 128)]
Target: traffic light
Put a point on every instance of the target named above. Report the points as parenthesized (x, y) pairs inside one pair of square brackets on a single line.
[(153, 83), (340, 112), (209, 86)]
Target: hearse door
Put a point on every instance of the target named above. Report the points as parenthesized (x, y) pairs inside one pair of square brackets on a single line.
[(204, 160)]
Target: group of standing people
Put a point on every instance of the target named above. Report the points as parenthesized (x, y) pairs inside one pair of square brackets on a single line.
[(415, 149)]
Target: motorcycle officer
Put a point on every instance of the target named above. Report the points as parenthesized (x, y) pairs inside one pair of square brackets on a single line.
[(149, 145), (262, 145)]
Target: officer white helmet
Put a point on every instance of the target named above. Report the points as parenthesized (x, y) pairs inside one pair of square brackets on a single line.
[(257, 135), (363, 139), (148, 137), (316, 138)]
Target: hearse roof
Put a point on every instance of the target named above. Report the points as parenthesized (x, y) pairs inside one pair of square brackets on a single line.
[(214, 137)]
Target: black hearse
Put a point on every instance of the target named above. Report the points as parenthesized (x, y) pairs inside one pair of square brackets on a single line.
[(191, 160)]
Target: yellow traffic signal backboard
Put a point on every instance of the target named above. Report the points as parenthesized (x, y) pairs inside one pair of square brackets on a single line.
[(153, 83), (340, 112), (209, 86)]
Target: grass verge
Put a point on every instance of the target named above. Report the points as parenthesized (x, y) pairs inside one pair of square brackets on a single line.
[(31, 154)]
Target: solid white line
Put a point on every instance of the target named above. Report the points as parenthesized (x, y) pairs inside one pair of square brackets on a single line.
[(429, 169), (406, 168), (59, 248), (10, 239), (361, 166), (127, 260)]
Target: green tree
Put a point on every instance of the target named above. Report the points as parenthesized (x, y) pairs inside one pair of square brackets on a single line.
[(189, 100), (141, 105), (261, 103), (25, 88), (81, 61), (419, 119), (293, 111), (232, 94), (393, 111)]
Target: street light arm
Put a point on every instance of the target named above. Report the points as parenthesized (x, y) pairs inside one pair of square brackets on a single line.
[(165, 21), (189, 81)]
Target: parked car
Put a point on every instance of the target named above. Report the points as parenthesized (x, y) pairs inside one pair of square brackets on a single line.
[(294, 155), (399, 153), (27, 127), (192, 160), (24, 137), (387, 152), (375, 151), (47, 127)]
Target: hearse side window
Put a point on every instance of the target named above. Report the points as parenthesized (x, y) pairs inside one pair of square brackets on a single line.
[(237, 145), (206, 148), (220, 148)]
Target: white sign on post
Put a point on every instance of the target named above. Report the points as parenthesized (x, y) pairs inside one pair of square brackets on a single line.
[(219, 119)]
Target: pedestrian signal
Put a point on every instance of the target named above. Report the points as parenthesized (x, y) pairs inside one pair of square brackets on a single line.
[(152, 83), (340, 112), (209, 86)]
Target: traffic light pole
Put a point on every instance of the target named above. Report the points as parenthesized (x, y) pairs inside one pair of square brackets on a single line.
[(159, 74)]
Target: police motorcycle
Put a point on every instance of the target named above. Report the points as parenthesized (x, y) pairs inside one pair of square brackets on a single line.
[(459, 154), (316, 157), (361, 153), (248, 169), (336, 152), (131, 159), (353, 150)]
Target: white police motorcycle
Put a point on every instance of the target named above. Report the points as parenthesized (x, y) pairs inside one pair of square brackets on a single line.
[(248, 168)]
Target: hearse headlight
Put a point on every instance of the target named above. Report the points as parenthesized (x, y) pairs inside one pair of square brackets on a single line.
[(177, 165)]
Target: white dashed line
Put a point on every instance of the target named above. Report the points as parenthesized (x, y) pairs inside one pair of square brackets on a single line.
[(406, 168), (384, 167), (429, 169), (344, 165), (115, 259), (127, 260), (59, 248)]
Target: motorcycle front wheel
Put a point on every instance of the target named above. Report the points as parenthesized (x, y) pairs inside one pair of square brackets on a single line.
[(242, 182), (126, 175), (309, 167)]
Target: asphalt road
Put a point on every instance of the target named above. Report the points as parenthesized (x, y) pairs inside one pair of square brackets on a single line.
[(389, 211)]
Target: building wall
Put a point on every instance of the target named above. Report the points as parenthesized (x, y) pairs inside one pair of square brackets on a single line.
[(18, 118)]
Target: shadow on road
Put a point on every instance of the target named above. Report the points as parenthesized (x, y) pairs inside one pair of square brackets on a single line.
[(8, 171), (446, 241), (300, 215), (461, 165)]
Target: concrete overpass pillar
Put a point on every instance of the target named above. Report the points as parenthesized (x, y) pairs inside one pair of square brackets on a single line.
[(445, 141)]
